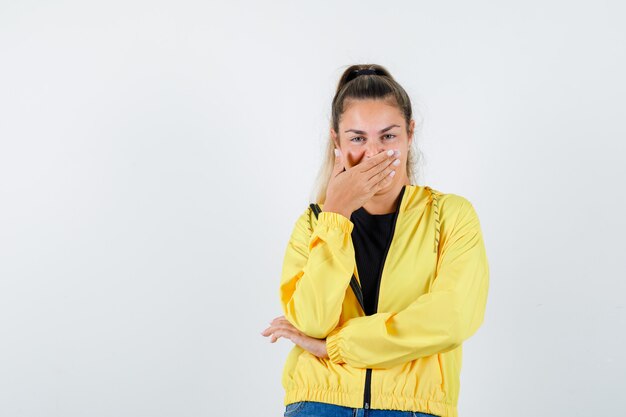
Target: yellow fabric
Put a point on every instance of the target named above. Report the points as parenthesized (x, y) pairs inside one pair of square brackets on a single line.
[(432, 297)]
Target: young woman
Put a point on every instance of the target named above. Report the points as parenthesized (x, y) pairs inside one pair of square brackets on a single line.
[(381, 288)]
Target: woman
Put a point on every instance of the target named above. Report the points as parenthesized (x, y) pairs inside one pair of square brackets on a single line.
[(379, 289)]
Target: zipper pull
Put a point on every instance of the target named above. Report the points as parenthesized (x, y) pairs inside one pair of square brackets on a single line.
[(367, 405)]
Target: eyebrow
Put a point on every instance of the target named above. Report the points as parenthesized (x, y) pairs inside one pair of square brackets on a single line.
[(360, 132)]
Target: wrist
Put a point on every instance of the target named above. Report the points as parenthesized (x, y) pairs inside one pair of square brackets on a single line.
[(333, 209)]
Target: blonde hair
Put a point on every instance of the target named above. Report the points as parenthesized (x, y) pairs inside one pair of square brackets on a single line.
[(380, 86)]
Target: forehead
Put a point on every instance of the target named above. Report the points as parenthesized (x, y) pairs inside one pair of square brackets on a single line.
[(370, 113)]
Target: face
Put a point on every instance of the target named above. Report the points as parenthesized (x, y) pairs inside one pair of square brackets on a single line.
[(368, 127)]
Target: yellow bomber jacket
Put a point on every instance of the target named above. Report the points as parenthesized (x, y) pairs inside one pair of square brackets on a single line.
[(431, 298)]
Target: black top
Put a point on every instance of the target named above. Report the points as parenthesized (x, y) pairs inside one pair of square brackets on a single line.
[(370, 236)]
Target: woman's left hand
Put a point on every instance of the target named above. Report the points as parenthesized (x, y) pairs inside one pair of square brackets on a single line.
[(280, 327)]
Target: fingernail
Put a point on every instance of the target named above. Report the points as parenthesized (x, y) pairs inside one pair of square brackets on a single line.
[(390, 152), (397, 152)]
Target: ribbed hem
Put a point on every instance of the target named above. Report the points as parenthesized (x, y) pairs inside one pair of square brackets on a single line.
[(354, 399), (395, 402), (330, 218), (332, 346)]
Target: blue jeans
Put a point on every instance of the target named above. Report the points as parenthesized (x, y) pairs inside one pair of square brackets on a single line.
[(317, 409)]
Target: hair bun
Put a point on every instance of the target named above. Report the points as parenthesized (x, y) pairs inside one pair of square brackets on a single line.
[(355, 73)]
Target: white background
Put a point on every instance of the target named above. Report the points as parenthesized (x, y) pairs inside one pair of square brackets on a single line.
[(154, 156)]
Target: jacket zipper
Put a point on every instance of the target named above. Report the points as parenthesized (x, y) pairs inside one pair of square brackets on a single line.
[(368, 372), (356, 288)]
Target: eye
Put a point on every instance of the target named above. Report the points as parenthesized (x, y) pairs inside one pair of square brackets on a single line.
[(357, 137)]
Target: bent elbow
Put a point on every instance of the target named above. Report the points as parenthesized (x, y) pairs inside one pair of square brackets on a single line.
[(452, 342), (317, 329), (464, 330), (456, 335)]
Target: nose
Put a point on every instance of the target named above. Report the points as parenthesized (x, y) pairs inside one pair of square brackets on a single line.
[(373, 149)]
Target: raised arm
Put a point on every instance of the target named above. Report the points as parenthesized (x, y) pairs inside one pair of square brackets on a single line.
[(435, 322), (316, 273)]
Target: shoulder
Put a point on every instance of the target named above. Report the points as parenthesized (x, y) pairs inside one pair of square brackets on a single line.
[(453, 208), (454, 203), (451, 203)]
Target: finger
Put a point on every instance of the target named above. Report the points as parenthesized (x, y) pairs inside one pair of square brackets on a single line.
[(385, 182), (284, 326), (266, 332), (272, 333), (374, 161), (339, 166), (280, 319), (284, 333), (287, 330), (384, 176), (380, 171)]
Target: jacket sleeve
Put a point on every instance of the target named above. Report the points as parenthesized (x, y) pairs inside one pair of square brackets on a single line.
[(435, 322), (317, 269)]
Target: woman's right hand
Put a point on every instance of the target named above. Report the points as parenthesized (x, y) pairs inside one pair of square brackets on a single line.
[(349, 189)]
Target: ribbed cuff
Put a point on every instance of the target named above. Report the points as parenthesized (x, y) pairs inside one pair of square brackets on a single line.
[(332, 346), (330, 218)]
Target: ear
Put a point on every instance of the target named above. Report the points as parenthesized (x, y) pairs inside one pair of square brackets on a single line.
[(411, 131), (333, 135)]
